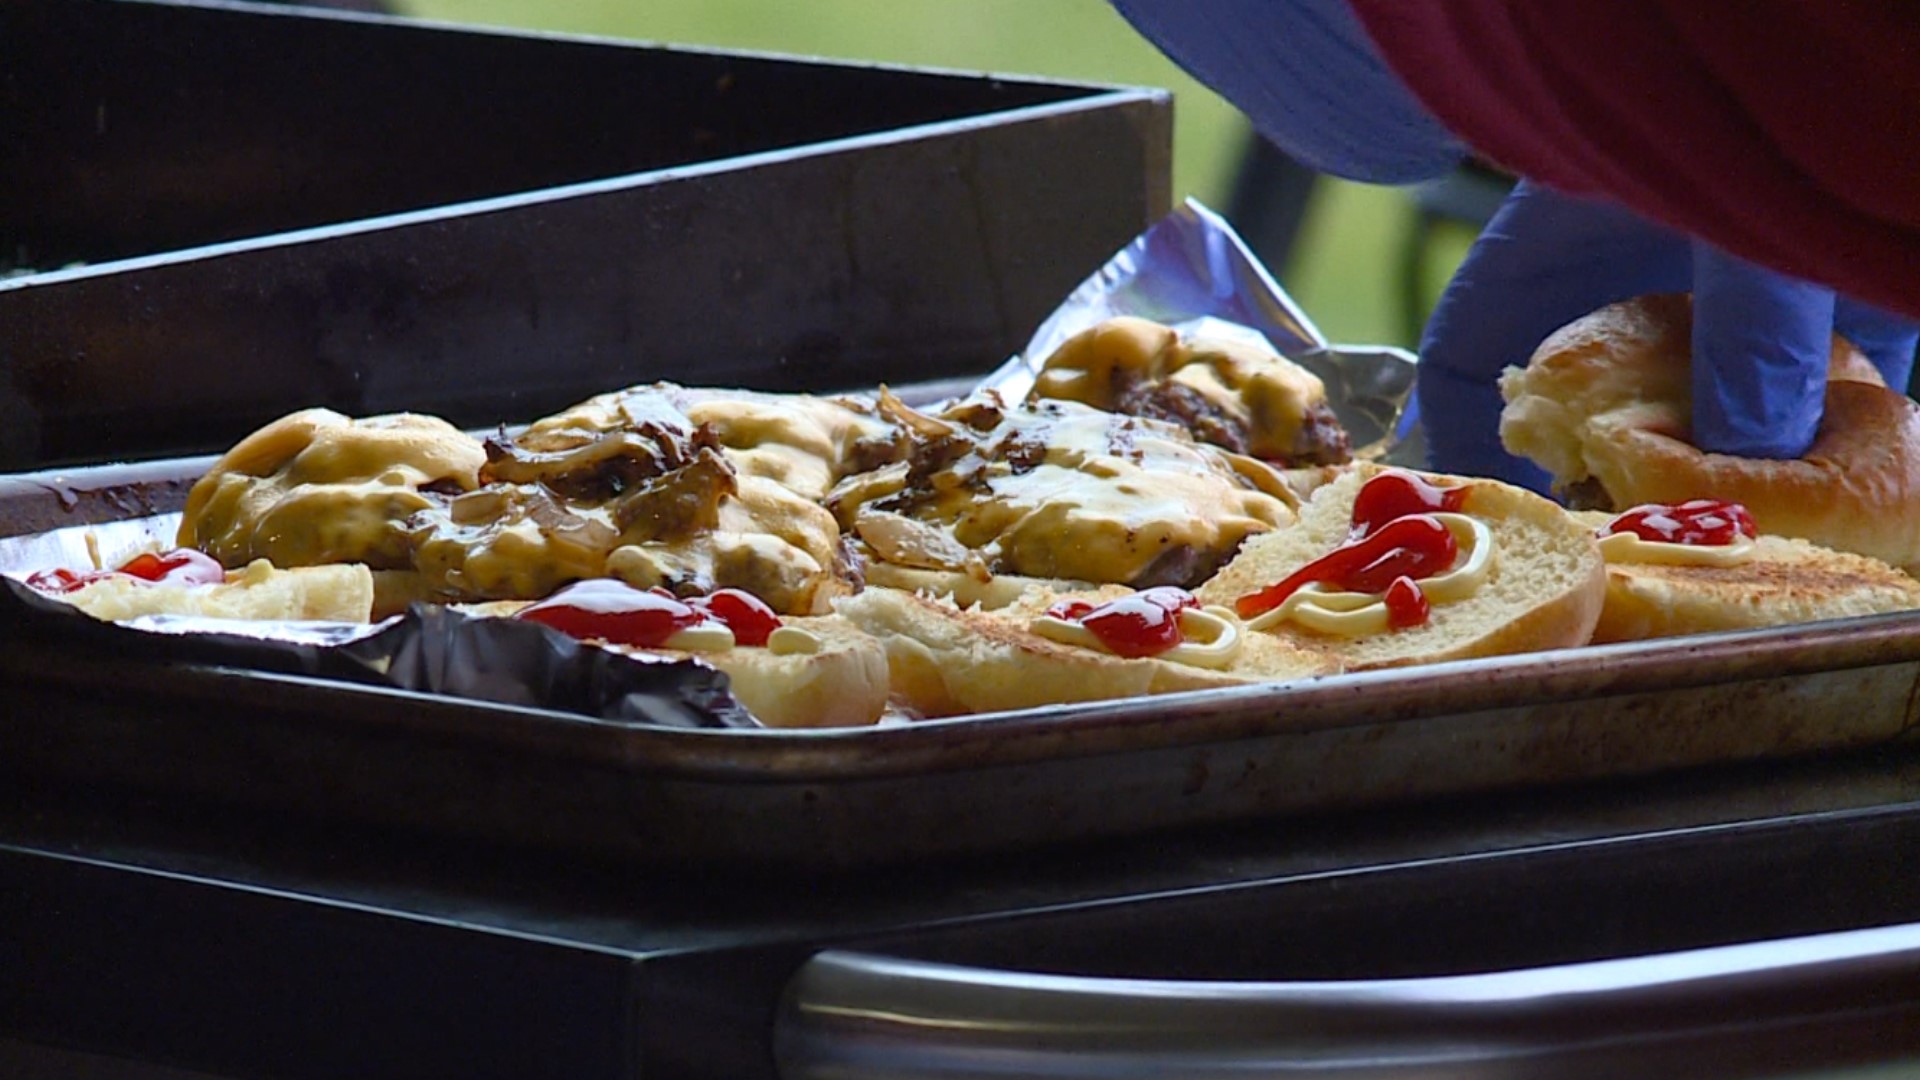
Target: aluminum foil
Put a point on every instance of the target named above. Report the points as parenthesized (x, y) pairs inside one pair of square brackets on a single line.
[(428, 649), (1190, 271)]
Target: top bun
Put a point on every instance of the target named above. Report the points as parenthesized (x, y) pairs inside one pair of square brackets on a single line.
[(1605, 407)]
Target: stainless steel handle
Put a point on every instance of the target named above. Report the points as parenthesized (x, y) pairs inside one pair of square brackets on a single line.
[(851, 1016)]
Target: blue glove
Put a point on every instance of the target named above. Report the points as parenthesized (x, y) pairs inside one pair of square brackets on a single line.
[(1760, 340), (1307, 75)]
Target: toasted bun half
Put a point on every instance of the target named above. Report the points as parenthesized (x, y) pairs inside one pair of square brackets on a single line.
[(841, 683), (337, 592), (1605, 402), (945, 660), (1787, 581), (1543, 590)]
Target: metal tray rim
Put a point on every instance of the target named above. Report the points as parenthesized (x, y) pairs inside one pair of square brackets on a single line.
[(1093, 729)]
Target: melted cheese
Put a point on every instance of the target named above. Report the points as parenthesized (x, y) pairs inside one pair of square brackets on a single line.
[(802, 442), (510, 542), (1210, 637), (1266, 395), (1356, 614), (1060, 490), (315, 488), (767, 541), (1624, 547), (710, 522)]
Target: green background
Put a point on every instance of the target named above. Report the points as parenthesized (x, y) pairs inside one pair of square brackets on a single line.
[(1343, 270)]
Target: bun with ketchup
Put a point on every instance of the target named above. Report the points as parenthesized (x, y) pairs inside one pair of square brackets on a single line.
[(788, 671), (189, 582), (1384, 567), (1389, 567), (1702, 566), (1047, 648), (1604, 406)]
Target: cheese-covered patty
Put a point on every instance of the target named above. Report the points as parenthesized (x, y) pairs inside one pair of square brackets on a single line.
[(626, 485), (802, 442), (315, 487), (1245, 399), (1060, 490)]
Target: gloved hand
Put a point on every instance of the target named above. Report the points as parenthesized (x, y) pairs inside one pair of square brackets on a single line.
[(1760, 340)]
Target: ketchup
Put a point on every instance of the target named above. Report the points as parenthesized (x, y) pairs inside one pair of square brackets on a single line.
[(1144, 624), (1415, 546), (616, 612), (1407, 606), (750, 619), (1395, 542), (1395, 494), (1700, 522), (181, 566)]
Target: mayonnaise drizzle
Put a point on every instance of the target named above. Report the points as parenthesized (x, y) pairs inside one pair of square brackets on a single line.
[(793, 641), (1357, 614), (1211, 637), (709, 636), (1625, 547)]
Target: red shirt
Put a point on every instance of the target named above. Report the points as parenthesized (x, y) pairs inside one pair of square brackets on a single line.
[(1784, 131)]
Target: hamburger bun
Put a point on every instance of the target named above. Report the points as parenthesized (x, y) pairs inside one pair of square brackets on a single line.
[(1543, 588), (1786, 581), (840, 681), (948, 660), (337, 592), (1604, 406), (841, 684)]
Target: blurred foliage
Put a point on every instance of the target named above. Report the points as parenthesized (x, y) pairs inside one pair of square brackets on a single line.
[(1343, 270)]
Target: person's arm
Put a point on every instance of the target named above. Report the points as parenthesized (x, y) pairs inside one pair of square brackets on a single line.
[(1308, 78), (1777, 130), (1760, 337)]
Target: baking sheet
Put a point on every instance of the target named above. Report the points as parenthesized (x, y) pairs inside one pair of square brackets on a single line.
[(526, 772), (819, 801)]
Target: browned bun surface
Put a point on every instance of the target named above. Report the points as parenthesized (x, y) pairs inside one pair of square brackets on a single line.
[(1606, 402), (1785, 581), (947, 660)]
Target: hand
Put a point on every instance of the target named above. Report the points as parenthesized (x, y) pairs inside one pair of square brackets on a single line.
[(1760, 340)]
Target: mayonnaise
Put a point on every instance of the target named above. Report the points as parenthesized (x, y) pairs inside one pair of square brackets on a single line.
[(1356, 614)]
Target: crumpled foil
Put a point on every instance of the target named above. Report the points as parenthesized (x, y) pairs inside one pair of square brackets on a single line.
[(429, 649), (1190, 271)]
